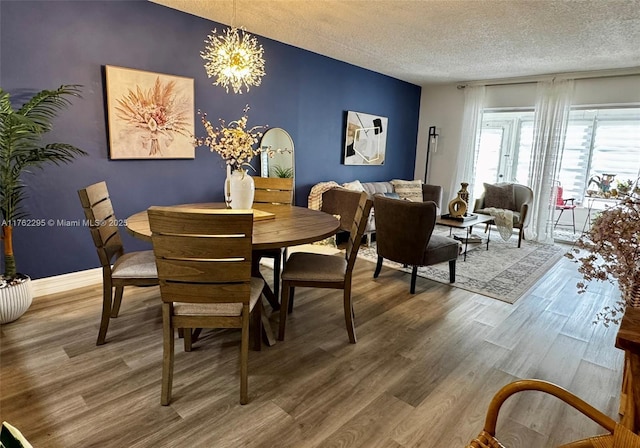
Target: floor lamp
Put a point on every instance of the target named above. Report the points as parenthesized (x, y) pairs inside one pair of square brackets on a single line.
[(432, 144)]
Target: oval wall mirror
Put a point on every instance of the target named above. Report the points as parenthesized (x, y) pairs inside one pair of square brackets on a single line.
[(277, 159)]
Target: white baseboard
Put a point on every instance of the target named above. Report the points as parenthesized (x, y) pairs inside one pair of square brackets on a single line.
[(65, 282)]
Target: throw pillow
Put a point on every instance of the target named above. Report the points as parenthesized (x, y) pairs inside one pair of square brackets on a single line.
[(499, 196), (410, 190), (355, 186)]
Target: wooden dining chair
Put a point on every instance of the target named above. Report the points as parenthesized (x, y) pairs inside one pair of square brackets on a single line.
[(119, 269), (204, 267), (618, 437), (326, 271), (273, 190)]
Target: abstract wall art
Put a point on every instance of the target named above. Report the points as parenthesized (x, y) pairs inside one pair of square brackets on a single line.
[(366, 139)]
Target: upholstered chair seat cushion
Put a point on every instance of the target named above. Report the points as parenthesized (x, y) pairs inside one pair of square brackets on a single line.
[(440, 248), (141, 264), (326, 268), (485, 211), (220, 309)]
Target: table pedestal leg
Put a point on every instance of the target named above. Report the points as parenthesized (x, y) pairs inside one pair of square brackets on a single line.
[(267, 331), (268, 293)]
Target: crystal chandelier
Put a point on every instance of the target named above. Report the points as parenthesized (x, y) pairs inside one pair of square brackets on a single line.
[(233, 58)]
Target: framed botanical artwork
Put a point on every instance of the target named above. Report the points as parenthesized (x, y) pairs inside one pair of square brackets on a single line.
[(151, 115), (366, 139)]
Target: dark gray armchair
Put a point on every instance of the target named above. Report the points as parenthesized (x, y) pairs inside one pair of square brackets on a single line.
[(404, 234)]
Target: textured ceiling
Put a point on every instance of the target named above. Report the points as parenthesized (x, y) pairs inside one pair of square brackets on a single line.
[(434, 41)]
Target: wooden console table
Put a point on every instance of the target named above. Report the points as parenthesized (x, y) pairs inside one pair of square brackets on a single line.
[(628, 339)]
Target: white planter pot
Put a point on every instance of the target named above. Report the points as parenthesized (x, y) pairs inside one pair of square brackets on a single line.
[(15, 300), (239, 187)]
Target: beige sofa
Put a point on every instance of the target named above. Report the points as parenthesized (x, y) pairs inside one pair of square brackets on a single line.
[(342, 201)]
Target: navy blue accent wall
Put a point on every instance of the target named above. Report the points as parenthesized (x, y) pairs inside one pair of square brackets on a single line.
[(44, 44)]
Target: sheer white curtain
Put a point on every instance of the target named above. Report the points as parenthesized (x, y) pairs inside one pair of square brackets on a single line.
[(553, 103), (467, 151)]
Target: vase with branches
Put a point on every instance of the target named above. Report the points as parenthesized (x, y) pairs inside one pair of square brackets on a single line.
[(235, 143), (610, 251)]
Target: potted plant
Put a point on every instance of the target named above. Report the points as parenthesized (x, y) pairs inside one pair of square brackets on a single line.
[(624, 186), (21, 149), (610, 250), (283, 172)]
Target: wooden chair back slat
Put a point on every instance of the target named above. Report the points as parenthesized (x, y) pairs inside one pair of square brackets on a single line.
[(274, 183), (100, 212), (273, 190), (272, 197), (203, 293), (357, 229), (93, 194), (221, 247), (203, 270), (103, 235), (194, 222)]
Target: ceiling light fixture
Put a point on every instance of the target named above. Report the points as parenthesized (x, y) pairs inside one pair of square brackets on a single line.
[(234, 58)]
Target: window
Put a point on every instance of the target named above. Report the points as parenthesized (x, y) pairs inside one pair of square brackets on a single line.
[(598, 141)]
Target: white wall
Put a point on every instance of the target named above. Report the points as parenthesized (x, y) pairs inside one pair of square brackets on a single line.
[(442, 106)]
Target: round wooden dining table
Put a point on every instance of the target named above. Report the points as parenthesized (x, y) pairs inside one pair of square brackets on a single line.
[(281, 226), (275, 226)]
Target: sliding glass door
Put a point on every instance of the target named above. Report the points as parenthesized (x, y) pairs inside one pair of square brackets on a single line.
[(504, 149), (598, 141)]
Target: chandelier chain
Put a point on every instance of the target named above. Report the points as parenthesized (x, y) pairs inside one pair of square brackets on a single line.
[(233, 19)]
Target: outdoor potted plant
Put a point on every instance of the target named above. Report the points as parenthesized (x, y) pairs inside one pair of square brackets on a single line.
[(610, 251), (21, 149)]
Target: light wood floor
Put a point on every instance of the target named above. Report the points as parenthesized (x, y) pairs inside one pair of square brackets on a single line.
[(421, 374)]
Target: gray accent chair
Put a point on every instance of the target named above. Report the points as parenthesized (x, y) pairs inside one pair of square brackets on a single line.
[(404, 234), (522, 199)]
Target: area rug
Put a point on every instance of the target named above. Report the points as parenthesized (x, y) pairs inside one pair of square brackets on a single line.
[(503, 272)]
